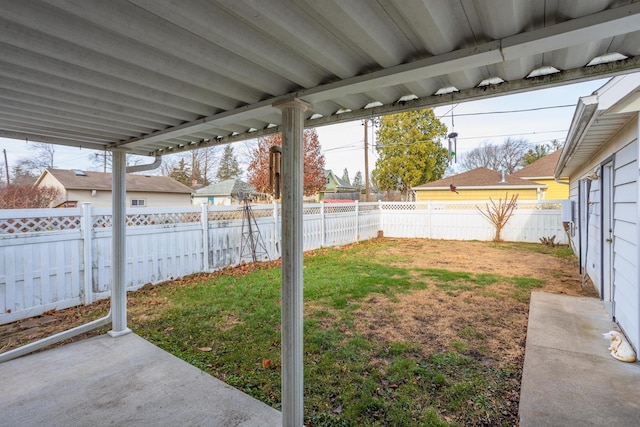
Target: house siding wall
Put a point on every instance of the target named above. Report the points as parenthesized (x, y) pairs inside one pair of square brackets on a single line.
[(554, 190), (102, 199), (447, 195), (624, 147), (625, 217)]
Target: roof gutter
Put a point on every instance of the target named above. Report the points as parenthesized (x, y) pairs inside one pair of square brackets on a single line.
[(584, 116)]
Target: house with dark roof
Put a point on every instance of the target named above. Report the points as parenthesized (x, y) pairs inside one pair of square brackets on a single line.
[(77, 186), (224, 193), (542, 171), (478, 184)]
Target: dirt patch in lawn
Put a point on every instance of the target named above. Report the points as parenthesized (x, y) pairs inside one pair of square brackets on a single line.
[(485, 316)]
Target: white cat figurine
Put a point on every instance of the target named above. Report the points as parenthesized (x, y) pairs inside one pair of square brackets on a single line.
[(620, 348)]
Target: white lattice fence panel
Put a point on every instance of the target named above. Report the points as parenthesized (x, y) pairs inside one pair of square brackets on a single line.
[(168, 218), (38, 224), (224, 213), (311, 210), (340, 208)]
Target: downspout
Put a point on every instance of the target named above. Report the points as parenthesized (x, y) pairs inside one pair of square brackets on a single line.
[(149, 166)]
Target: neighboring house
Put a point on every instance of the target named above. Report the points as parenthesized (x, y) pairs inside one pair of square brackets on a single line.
[(336, 188), (478, 184), (600, 158), (542, 172), (224, 193), (77, 186)]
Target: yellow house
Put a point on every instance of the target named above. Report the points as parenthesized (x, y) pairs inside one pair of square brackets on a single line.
[(541, 171), (478, 184)]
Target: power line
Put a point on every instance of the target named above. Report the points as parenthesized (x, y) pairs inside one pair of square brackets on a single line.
[(524, 110)]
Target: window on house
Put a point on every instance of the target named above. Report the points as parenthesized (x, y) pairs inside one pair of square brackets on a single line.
[(138, 203)]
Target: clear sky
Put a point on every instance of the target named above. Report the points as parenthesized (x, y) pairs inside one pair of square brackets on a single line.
[(476, 122)]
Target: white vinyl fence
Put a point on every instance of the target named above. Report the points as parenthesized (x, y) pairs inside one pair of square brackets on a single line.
[(59, 258)]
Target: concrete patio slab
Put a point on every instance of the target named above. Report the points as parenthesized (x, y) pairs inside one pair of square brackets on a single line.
[(569, 378), (120, 381)]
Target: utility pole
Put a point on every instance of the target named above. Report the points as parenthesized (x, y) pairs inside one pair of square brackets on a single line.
[(6, 164), (366, 160)]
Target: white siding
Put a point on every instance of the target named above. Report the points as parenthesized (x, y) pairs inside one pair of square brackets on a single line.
[(624, 149), (625, 216)]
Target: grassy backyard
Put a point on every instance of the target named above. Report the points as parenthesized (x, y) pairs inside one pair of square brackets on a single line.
[(397, 332)]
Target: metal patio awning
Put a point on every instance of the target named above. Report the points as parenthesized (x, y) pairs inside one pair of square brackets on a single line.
[(155, 77)]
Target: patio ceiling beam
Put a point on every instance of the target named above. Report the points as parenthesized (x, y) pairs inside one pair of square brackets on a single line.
[(517, 86), (609, 23)]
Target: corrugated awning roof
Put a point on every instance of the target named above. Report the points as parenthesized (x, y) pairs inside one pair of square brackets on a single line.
[(155, 77)]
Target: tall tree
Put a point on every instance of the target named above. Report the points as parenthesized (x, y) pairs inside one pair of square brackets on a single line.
[(199, 164), (539, 151), (44, 155), (229, 168), (345, 176), (357, 181), (25, 171), (409, 149), (182, 173), (507, 156), (258, 170), (28, 169)]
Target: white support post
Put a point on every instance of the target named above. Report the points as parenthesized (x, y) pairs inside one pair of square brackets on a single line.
[(357, 222), (87, 234), (380, 227), (323, 227), (118, 246), (204, 222), (276, 241), (292, 246)]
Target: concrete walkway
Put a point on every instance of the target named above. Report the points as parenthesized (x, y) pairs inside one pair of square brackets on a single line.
[(569, 377), (123, 381)]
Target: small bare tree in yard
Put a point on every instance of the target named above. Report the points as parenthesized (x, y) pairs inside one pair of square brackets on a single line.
[(499, 213)]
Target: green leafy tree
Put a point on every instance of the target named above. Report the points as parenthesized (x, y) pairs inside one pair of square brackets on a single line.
[(539, 151), (535, 153), (410, 152), (345, 176), (229, 168), (357, 181)]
